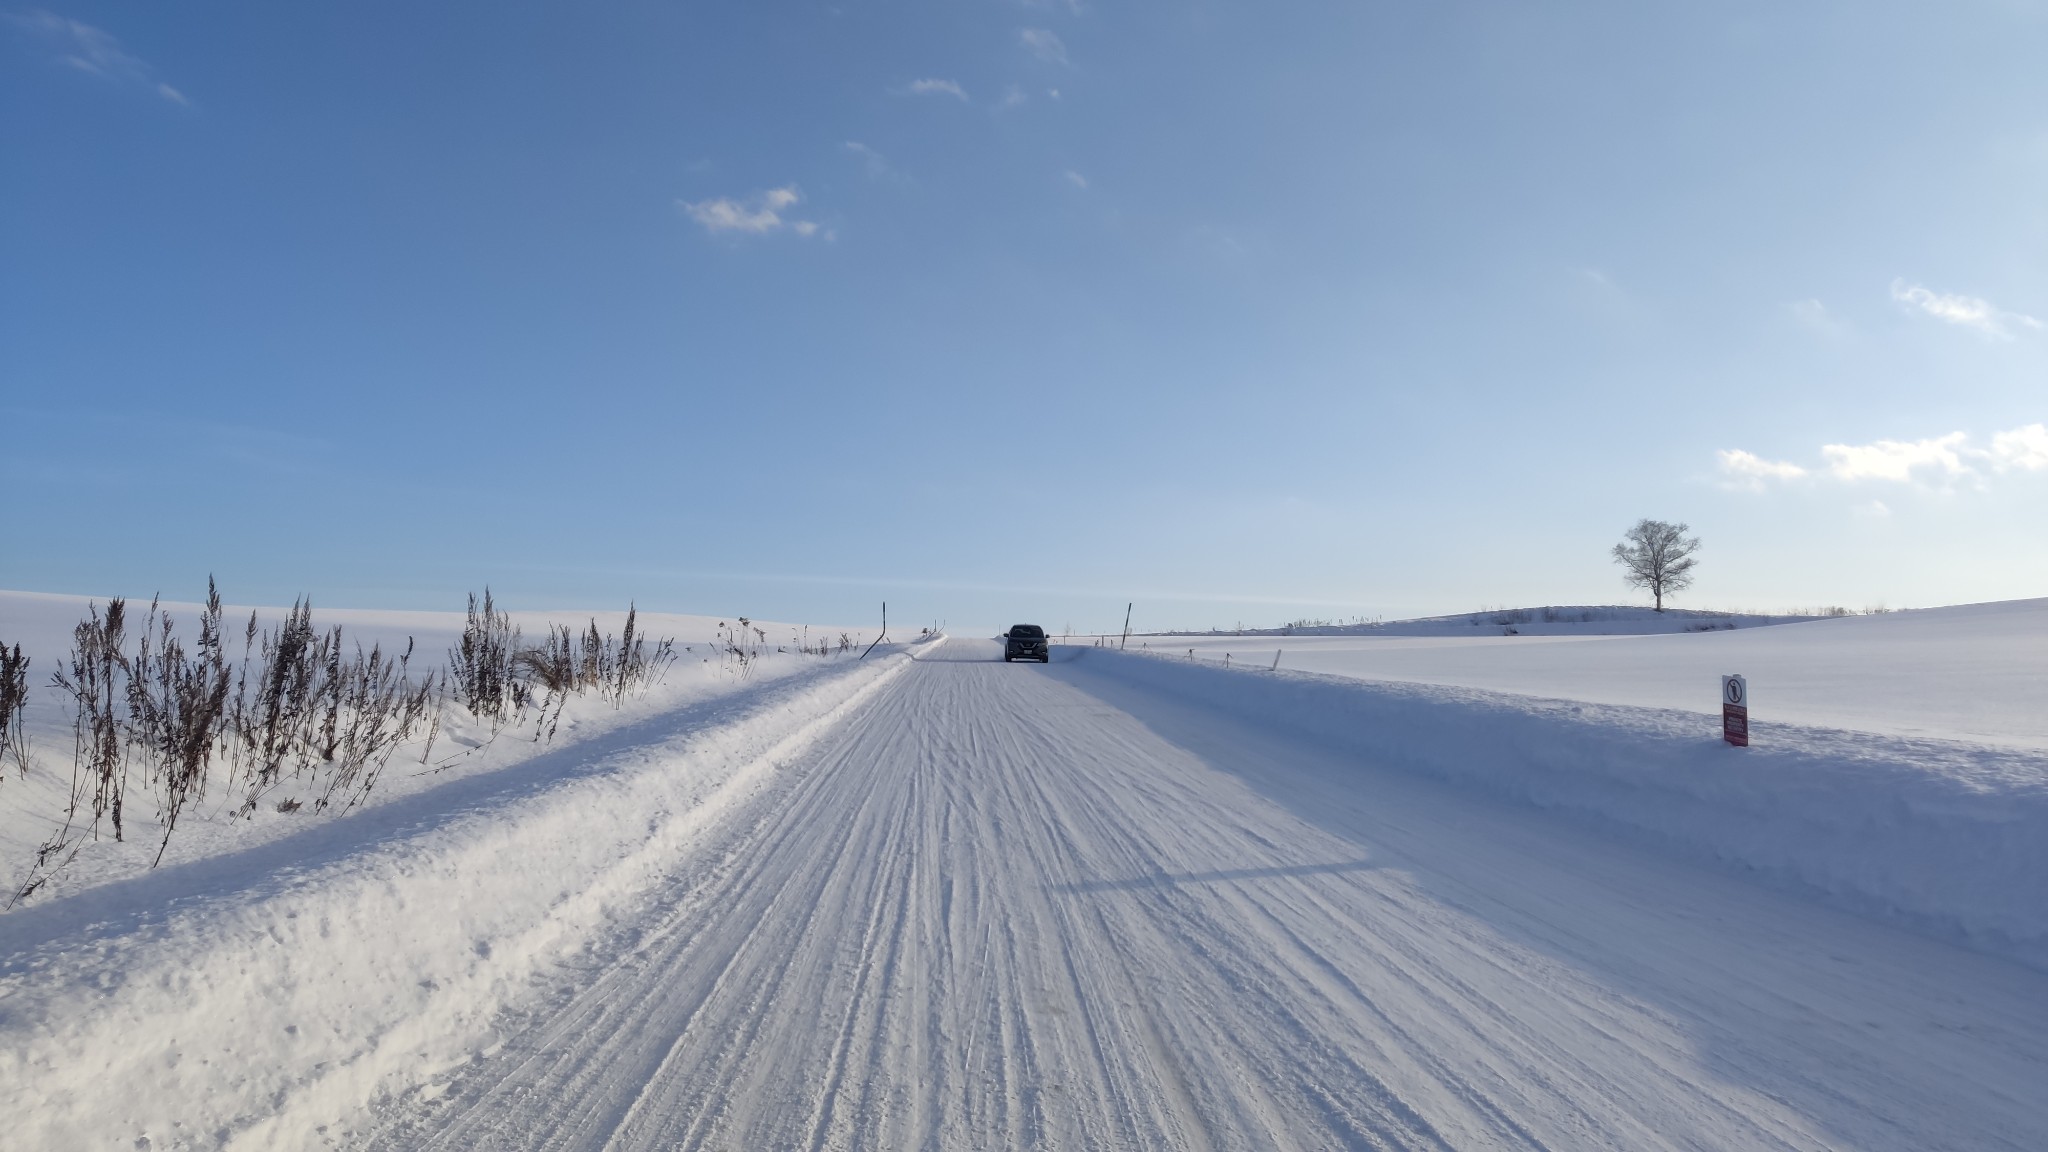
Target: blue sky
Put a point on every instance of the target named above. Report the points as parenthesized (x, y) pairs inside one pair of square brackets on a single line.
[(1024, 310)]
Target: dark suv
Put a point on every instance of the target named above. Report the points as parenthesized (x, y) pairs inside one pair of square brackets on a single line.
[(1025, 642)]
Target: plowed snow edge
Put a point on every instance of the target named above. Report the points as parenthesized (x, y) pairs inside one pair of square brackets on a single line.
[(257, 1020), (1947, 838)]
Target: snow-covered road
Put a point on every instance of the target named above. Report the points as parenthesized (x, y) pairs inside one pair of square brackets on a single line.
[(1024, 906)]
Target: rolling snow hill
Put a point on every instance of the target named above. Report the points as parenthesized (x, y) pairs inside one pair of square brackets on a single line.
[(1974, 672), (1552, 620)]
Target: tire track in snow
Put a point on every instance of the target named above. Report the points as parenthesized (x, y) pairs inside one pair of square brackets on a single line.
[(1008, 906)]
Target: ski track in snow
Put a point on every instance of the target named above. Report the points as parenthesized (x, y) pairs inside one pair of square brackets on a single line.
[(1024, 906)]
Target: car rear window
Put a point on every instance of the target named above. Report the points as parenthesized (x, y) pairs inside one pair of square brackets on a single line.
[(1030, 631)]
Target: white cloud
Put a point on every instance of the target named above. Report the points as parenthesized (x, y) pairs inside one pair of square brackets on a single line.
[(1077, 180), (1748, 470), (1898, 460), (1937, 461), (938, 88), (1966, 311), (2021, 448), (94, 52), (1013, 97), (1044, 45), (758, 214)]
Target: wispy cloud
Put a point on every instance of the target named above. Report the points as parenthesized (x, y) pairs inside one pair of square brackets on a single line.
[(1077, 180), (759, 214), (1013, 97), (938, 88), (875, 164), (1216, 241), (94, 52), (1936, 461), (1044, 45), (1602, 298), (1815, 317), (1963, 311)]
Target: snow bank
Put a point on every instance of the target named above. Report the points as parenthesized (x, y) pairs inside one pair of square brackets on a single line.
[(253, 1002), (1946, 836)]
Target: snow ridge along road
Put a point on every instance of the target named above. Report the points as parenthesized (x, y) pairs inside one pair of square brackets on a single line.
[(261, 999), (1048, 907), (1943, 836)]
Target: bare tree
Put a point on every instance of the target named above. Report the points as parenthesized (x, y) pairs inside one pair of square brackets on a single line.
[(1657, 556)]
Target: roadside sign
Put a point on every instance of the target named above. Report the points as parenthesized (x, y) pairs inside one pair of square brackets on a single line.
[(1735, 711)]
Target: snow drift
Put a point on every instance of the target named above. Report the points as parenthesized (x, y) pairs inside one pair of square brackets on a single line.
[(1945, 836)]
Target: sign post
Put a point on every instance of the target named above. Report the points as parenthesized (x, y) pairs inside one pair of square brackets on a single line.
[(1735, 711)]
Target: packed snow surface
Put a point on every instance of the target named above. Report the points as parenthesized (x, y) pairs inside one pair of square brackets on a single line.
[(937, 901)]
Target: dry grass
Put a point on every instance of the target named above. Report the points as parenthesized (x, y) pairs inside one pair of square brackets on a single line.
[(300, 706)]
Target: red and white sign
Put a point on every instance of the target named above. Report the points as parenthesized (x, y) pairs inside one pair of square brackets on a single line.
[(1735, 711)]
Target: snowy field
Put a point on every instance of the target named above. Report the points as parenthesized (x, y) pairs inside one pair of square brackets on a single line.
[(1428, 894), (1553, 620), (1975, 673)]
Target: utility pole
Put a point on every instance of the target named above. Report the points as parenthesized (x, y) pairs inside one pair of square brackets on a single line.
[(885, 630), (1127, 626)]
